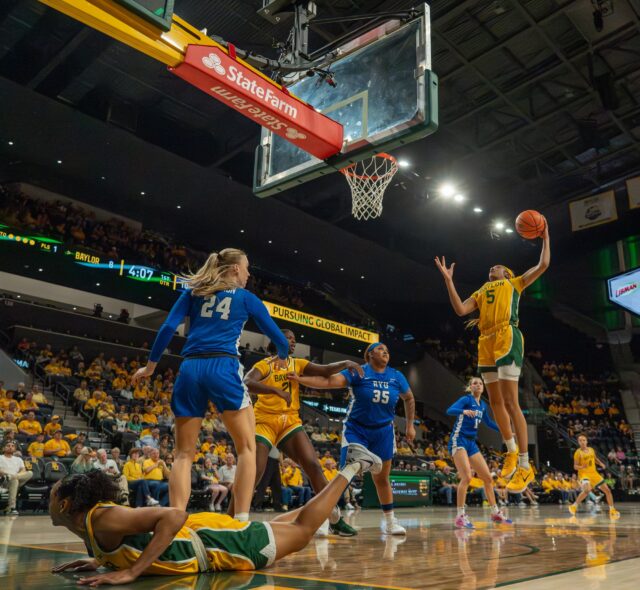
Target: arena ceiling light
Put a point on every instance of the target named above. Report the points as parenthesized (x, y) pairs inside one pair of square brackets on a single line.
[(459, 198), (499, 225), (447, 190), (142, 193), (178, 206), (477, 209), (59, 161), (10, 142), (508, 230), (403, 163)]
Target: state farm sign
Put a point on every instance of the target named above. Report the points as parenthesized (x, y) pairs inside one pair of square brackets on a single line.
[(210, 69)]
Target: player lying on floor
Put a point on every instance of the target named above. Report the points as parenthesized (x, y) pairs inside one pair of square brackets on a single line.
[(153, 541)]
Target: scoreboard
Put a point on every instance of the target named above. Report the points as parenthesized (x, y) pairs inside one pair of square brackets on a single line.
[(157, 12)]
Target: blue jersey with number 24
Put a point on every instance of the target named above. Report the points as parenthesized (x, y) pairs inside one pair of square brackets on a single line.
[(374, 396)]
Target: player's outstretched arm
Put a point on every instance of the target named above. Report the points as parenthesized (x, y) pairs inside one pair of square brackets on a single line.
[(338, 381), (253, 381), (545, 259), (460, 307), (409, 402), (163, 522), (314, 370)]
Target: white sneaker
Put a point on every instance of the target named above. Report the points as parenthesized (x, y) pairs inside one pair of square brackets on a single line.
[(368, 460), (152, 502), (349, 506), (218, 507), (393, 527), (323, 531)]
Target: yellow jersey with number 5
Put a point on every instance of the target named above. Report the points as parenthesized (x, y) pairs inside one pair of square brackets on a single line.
[(274, 404), (498, 303)]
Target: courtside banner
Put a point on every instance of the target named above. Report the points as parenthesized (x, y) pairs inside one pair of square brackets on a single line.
[(295, 316), (633, 190), (592, 211), (260, 99)]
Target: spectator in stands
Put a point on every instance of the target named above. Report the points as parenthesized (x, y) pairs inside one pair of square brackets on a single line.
[(12, 467), (75, 356), (36, 448), (52, 426), (20, 392), (139, 489), (628, 478), (8, 422), (228, 472), (211, 480), (150, 440), (29, 426), (97, 310), (28, 404), (82, 393), (207, 422), (292, 479), (83, 463), (445, 484), (124, 316), (166, 418), (149, 418), (39, 397), (156, 472), (135, 425), (115, 455), (57, 446), (109, 466)]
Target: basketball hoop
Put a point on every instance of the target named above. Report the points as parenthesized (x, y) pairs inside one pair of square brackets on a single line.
[(368, 180)]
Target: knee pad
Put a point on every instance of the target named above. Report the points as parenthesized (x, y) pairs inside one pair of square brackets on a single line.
[(490, 377), (509, 372)]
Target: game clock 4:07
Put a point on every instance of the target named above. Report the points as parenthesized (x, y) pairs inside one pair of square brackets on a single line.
[(158, 12)]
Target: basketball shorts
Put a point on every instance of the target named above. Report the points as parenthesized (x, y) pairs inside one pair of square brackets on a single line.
[(500, 349), (231, 544), (593, 478), (461, 442), (201, 380), (275, 429), (381, 440)]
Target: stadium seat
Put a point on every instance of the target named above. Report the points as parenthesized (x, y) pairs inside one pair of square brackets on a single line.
[(35, 491)]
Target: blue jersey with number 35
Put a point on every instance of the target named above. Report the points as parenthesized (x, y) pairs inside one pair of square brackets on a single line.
[(216, 323), (374, 396)]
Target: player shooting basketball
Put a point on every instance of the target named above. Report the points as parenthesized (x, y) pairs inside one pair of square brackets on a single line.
[(501, 352)]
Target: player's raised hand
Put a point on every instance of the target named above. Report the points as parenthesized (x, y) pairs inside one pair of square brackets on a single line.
[(354, 368), (291, 376), (447, 272), (545, 234), (142, 373)]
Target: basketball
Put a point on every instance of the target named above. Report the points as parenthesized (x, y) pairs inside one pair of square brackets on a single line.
[(530, 224)]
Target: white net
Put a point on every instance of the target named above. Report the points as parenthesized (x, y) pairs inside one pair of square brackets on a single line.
[(368, 180)]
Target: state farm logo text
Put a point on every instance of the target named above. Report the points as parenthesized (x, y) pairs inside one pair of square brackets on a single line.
[(264, 92)]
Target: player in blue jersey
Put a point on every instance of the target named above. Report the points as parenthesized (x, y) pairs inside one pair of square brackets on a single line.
[(217, 306), (471, 411), (369, 420)]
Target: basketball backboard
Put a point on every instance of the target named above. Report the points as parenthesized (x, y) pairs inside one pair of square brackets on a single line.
[(385, 95)]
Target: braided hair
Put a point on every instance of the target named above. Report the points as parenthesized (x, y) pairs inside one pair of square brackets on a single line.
[(85, 490)]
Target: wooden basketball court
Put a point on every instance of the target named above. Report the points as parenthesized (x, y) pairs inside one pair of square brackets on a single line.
[(545, 548)]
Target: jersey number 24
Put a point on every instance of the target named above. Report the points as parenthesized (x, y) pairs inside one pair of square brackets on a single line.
[(223, 307)]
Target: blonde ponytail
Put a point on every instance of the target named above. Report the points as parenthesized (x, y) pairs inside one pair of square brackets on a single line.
[(211, 276)]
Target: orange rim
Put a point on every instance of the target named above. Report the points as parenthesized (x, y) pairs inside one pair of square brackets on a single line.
[(347, 170)]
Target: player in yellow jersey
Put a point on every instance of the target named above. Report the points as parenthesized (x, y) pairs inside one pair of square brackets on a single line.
[(584, 462), (501, 353), (278, 420), (168, 541)]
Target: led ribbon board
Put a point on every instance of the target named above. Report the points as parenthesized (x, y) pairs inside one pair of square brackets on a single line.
[(295, 316)]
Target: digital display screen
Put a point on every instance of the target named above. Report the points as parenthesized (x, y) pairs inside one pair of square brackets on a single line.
[(409, 489), (624, 290), (157, 12), (120, 267)]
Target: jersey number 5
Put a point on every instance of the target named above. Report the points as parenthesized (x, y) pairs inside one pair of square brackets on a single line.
[(491, 295), (380, 397), (223, 307)]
